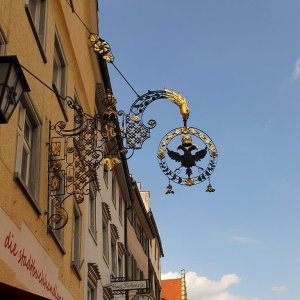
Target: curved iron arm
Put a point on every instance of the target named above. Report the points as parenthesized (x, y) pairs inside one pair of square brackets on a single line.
[(136, 132)]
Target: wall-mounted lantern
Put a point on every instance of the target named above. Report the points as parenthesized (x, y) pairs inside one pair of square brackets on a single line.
[(12, 85)]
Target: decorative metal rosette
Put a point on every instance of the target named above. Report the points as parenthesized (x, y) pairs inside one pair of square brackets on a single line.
[(101, 47), (189, 156)]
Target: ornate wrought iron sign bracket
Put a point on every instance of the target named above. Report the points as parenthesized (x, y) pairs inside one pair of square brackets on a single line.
[(76, 153)]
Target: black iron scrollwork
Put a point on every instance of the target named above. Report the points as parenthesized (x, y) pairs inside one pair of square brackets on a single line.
[(75, 154)]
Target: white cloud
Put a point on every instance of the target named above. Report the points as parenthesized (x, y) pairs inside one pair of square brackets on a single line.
[(256, 298), (245, 240), (296, 73), (170, 275), (279, 289), (202, 288)]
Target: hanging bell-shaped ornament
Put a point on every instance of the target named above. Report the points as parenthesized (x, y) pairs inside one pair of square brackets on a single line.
[(210, 188), (169, 189)]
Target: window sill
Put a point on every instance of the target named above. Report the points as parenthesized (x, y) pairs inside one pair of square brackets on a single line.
[(57, 241), (60, 102), (27, 193), (76, 269), (36, 36)]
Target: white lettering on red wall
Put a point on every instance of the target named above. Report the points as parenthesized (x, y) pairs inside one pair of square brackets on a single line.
[(31, 263)]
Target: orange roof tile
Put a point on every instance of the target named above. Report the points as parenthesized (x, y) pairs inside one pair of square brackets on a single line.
[(171, 289)]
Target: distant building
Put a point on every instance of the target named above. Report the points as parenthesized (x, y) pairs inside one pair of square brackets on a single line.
[(174, 289), (143, 243)]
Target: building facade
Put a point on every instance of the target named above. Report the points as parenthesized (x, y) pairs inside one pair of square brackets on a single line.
[(57, 242)]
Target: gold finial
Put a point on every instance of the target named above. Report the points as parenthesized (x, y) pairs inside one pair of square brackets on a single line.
[(186, 139), (109, 100), (189, 181), (110, 114)]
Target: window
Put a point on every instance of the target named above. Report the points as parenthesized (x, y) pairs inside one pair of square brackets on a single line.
[(130, 215), (28, 150), (36, 11), (76, 238), (91, 293), (120, 208), (129, 264), (120, 265), (105, 239), (92, 211), (105, 174), (59, 75), (3, 42), (113, 257), (93, 277), (113, 190)]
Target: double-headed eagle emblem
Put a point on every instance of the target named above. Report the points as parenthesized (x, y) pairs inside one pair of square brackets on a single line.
[(187, 159)]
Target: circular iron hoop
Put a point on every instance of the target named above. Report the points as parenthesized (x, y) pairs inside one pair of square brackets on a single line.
[(172, 175)]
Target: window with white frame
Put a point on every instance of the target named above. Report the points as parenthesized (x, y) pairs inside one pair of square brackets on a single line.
[(105, 239), (36, 11), (59, 75), (3, 42), (76, 238), (120, 208), (92, 211), (113, 190), (28, 149)]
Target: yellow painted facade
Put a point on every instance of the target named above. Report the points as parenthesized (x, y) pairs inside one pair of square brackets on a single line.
[(81, 77)]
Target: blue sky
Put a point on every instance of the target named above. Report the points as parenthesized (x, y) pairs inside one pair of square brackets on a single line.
[(237, 63)]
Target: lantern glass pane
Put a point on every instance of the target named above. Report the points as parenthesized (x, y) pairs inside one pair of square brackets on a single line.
[(5, 107), (19, 90), (3, 74), (13, 77), (9, 96)]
